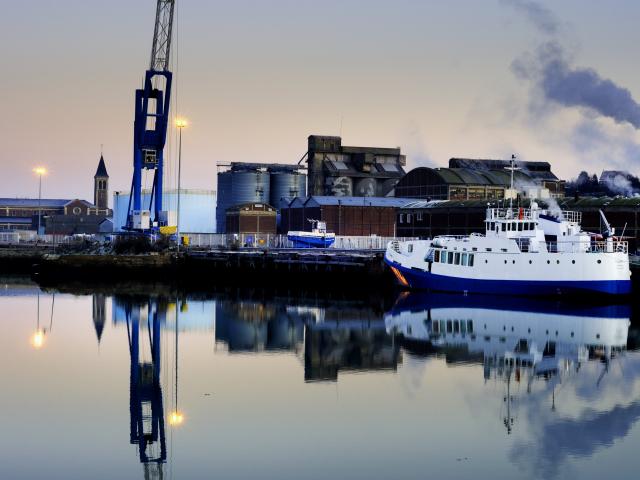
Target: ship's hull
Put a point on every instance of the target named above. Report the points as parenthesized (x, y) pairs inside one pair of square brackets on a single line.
[(416, 278), (309, 241)]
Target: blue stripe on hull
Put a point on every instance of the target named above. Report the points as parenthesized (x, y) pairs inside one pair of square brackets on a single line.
[(423, 280), (310, 242)]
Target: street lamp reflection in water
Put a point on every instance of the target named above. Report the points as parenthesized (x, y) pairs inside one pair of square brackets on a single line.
[(176, 418), (37, 339)]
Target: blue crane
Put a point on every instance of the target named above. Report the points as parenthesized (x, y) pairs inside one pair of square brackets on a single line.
[(150, 126)]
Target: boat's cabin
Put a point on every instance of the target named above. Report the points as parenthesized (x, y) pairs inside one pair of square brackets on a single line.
[(527, 222)]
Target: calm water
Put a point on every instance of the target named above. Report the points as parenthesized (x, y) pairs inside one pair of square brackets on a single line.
[(232, 385)]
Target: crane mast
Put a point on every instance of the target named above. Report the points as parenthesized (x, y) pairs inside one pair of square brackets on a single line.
[(150, 126)]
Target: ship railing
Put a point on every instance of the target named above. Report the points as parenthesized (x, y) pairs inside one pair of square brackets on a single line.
[(509, 214), (585, 247), (564, 215)]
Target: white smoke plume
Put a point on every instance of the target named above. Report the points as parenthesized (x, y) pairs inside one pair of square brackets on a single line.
[(555, 79)]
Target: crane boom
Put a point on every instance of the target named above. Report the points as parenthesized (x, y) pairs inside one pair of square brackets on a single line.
[(162, 36), (150, 125)]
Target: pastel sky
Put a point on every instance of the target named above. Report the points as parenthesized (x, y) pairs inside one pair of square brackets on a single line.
[(255, 78)]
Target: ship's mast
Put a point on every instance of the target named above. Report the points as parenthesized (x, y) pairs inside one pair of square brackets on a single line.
[(512, 167)]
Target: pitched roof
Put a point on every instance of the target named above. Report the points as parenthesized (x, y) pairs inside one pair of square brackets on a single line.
[(102, 169), (357, 201), (33, 202)]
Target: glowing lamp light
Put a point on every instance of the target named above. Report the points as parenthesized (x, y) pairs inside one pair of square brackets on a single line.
[(37, 339), (181, 122), (176, 418), (40, 171)]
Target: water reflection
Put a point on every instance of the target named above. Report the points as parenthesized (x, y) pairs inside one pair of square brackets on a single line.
[(339, 336), (546, 385), (561, 353), (146, 409)]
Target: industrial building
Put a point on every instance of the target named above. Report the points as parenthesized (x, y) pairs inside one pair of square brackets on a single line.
[(426, 219), (342, 171), (350, 216), (251, 218), (244, 183), (197, 209), (473, 179)]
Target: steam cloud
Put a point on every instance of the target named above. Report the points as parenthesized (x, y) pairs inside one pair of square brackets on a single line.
[(550, 70)]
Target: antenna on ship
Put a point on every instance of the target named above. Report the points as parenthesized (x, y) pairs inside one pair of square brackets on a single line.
[(512, 167)]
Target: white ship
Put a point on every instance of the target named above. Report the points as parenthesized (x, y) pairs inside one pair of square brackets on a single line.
[(524, 251)]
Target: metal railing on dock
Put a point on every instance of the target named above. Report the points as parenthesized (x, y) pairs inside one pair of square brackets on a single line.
[(265, 241)]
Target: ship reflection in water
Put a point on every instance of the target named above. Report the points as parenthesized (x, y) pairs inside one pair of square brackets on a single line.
[(471, 387), (558, 352)]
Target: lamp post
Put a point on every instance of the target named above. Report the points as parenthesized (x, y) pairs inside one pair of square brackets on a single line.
[(180, 124), (40, 171)]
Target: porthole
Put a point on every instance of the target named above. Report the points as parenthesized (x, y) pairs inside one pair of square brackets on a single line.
[(512, 329), (530, 262), (571, 334), (558, 262), (486, 261), (514, 262), (556, 333), (598, 335), (547, 332), (599, 261), (573, 261), (548, 261), (529, 330), (505, 262), (504, 328)]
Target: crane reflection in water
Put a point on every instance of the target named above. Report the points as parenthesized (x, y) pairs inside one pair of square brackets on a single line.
[(145, 318)]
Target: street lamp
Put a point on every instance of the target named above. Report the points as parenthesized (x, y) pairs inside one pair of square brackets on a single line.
[(40, 171), (180, 124)]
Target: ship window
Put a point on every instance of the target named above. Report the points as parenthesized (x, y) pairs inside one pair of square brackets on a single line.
[(599, 261), (471, 259), (470, 326), (436, 256), (463, 326), (450, 257), (401, 218), (410, 247), (443, 257), (436, 326), (475, 249), (504, 227), (488, 249), (464, 259), (573, 261), (449, 326), (457, 258)]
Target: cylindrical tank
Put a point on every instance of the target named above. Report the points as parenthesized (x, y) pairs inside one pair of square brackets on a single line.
[(287, 185), (196, 208), (224, 195), (238, 187)]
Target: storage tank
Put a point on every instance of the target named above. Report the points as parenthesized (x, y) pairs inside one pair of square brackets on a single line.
[(197, 208), (287, 185), (236, 187)]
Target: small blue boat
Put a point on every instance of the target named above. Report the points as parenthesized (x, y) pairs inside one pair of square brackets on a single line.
[(318, 237)]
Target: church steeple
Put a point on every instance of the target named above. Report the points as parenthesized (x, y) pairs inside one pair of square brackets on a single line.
[(101, 185)]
